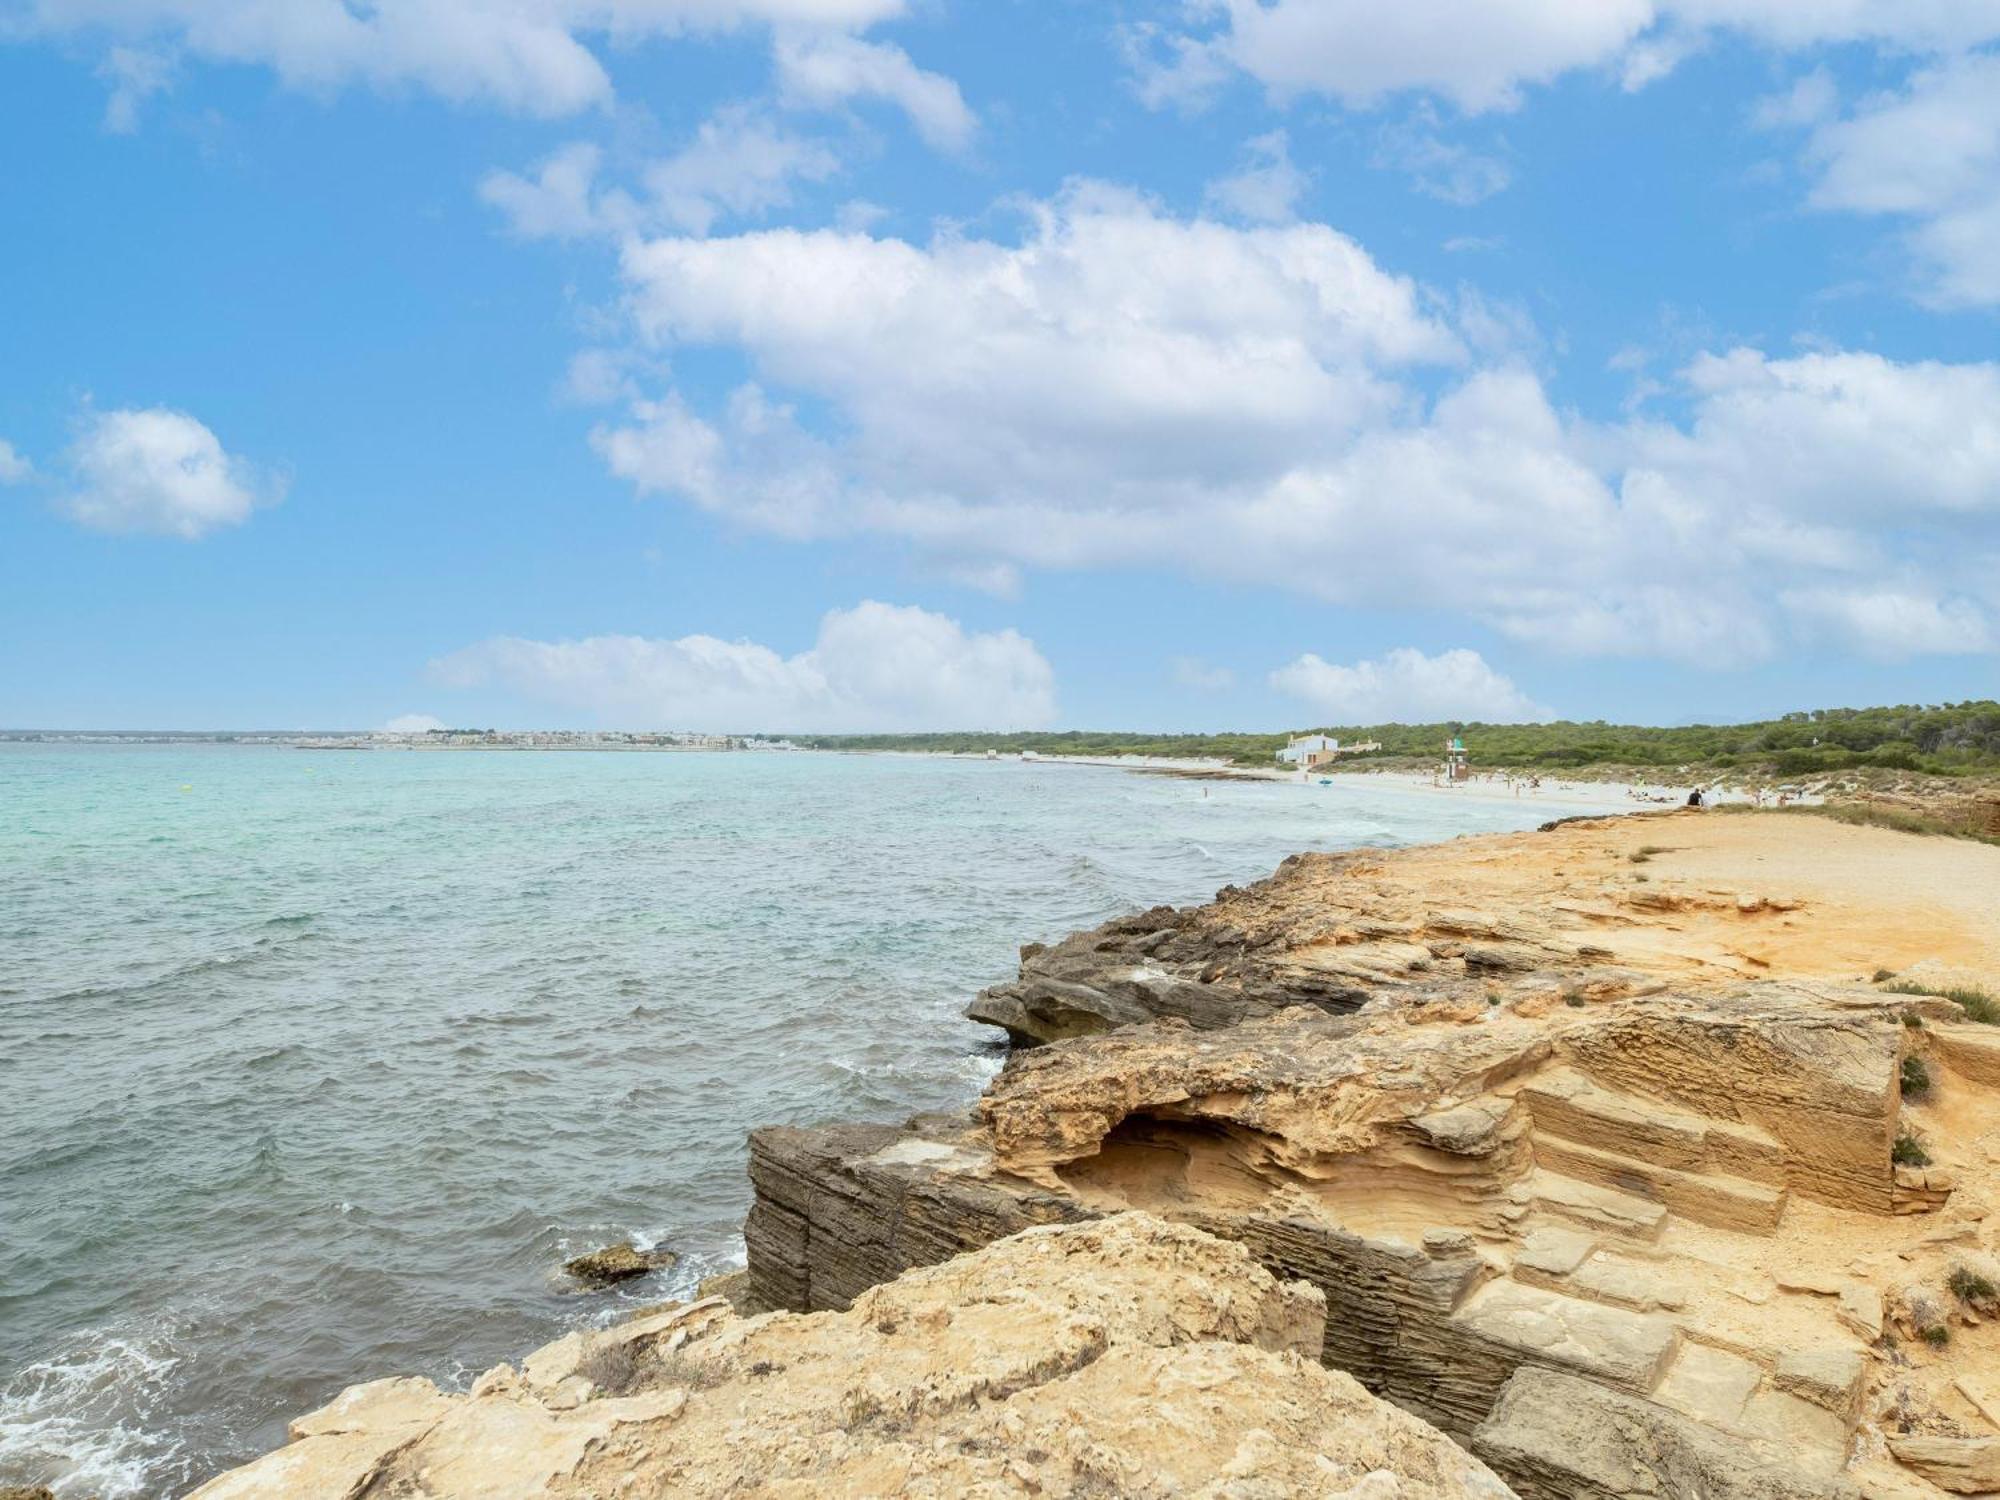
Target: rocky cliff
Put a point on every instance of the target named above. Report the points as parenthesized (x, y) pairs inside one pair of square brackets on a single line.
[(1128, 1357), (1618, 1152)]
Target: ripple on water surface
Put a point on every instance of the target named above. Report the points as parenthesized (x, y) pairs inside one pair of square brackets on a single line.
[(318, 1071)]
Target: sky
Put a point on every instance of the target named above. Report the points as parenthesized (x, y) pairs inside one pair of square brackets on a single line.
[(820, 365)]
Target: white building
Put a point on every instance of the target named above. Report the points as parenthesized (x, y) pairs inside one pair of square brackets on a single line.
[(1310, 750)]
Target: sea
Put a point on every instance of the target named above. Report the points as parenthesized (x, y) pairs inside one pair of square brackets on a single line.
[(316, 1065)]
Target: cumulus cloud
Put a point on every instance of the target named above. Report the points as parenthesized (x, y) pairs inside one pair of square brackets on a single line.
[(163, 472), (827, 68), (1928, 154), (413, 724), (1112, 348), (876, 667), (14, 467), (1406, 686), (1265, 405), (1482, 56), (532, 58), (1267, 189)]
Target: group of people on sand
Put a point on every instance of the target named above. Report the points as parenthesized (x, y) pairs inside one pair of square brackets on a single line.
[(1707, 797)]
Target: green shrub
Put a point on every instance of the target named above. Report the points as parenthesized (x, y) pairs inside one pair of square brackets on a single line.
[(1909, 1152), (1968, 1285), (1936, 1335), (1916, 1078), (1977, 1004)]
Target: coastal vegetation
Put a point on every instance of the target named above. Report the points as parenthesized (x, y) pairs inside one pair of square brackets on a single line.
[(1946, 739), (1976, 1003)]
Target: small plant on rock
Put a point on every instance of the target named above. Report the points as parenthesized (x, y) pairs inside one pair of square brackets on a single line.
[(1935, 1334), (1977, 1004), (1968, 1285), (1909, 1152), (1916, 1078)]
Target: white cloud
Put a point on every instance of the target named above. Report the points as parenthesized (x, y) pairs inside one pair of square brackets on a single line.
[(1112, 348), (874, 667), (1268, 187), (1406, 686), (1929, 154), (1478, 56), (14, 467), (1914, 25), (1120, 388), (1202, 676), (1482, 56), (740, 164), (413, 724), (1891, 624), (160, 471), (822, 69), (1832, 439), (529, 57)]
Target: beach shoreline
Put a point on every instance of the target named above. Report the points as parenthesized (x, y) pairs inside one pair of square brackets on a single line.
[(1502, 786)]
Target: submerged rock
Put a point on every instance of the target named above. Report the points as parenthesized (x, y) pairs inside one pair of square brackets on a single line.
[(617, 1263)]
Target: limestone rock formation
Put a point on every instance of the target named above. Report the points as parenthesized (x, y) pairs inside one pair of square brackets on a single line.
[(1589, 910), (1595, 1141), (1128, 1357)]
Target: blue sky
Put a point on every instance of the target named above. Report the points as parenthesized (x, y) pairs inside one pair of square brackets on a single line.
[(828, 364)]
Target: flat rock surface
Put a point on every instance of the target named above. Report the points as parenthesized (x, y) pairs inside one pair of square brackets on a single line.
[(1125, 1357)]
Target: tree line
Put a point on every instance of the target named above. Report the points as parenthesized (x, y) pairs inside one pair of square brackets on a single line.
[(1942, 739)]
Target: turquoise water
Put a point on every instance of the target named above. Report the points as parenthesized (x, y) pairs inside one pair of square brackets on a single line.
[(314, 1066)]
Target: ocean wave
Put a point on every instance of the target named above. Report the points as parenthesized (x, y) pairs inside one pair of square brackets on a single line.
[(86, 1418)]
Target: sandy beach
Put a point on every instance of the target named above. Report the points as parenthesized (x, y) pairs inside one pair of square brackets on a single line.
[(1561, 793)]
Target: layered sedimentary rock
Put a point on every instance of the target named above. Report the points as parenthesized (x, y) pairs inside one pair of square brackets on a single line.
[(1633, 1177), (1127, 1357), (1596, 908)]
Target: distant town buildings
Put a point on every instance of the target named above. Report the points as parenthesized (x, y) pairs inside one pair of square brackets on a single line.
[(543, 739), (383, 739)]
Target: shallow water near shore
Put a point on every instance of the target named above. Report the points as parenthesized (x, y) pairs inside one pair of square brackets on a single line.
[(315, 1066)]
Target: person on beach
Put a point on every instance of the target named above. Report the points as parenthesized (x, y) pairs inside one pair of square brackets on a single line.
[(1694, 798)]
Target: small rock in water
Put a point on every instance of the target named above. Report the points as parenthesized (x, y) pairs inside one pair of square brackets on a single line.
[(618, 1263)]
